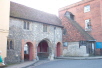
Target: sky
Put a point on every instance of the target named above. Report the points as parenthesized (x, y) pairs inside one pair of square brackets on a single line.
[(49, 6)]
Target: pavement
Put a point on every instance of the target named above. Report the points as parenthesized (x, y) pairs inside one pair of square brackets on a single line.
[(80, 58), (27, 64), (64, 63), (35, 63), (21, 65)]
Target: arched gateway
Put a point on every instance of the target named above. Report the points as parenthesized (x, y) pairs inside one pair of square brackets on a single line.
[(28, 51), (43, 49), (58, 49)]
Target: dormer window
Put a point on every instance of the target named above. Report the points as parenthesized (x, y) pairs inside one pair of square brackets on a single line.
[(69, 15)]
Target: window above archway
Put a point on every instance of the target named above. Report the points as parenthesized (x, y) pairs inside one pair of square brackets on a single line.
[(45, 28), (26, 25)]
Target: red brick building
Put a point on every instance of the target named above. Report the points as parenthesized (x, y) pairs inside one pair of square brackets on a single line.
[(87, 14)]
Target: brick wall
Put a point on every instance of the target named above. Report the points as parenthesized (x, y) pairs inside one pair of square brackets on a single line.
[(94, 15)]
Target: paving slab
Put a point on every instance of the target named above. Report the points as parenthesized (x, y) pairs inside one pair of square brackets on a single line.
[(22, 65), (79, 58)]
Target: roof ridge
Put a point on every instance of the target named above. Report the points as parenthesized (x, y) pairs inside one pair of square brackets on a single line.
[(24, 12), (31, 8)]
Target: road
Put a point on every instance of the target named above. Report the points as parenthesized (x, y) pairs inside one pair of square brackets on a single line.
[(97, 63)]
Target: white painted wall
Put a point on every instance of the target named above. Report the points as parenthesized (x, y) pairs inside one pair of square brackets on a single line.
[(4, 25)]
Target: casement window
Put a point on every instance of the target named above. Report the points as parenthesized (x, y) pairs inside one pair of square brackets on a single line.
[(26, 25), (87, 8), (44, 28), (65, 44), (87, 25), (82, 43), (10, 44)]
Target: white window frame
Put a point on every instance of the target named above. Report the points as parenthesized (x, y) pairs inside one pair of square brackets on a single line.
[(87, 8), (88, 21)]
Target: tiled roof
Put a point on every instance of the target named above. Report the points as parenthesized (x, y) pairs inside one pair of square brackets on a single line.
[(81, 32), (24, 12)]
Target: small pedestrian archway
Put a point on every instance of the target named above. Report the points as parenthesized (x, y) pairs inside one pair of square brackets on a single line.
[(58, 49), (43, 50), (28, 51)]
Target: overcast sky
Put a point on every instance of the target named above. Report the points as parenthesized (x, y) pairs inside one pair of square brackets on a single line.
[(50, 6)]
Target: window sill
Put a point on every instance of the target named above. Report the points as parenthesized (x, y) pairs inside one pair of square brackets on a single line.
[(26, 30), (88, 29), (10, 50), (87, 12)]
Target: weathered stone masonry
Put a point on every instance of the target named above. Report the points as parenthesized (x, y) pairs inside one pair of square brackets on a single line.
[(35, 34)]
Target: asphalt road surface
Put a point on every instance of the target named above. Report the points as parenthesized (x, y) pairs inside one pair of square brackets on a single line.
[(97, 63)]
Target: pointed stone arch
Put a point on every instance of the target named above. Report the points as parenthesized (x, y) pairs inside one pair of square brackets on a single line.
[(27, 55), (44, 49), (28, 51), (58, 49)]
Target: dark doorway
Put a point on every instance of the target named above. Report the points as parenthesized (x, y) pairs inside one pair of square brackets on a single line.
[(90, 46), (43, 50), (28, 51), (58, 49), (101, 51)]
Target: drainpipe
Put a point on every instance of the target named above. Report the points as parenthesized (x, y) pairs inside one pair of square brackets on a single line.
[(55, 40)]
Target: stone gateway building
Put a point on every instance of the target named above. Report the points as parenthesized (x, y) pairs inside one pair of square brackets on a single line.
[(33, 35)]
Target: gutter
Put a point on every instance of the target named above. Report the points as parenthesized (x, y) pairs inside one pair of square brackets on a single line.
[(37, 21), (92, 40)]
